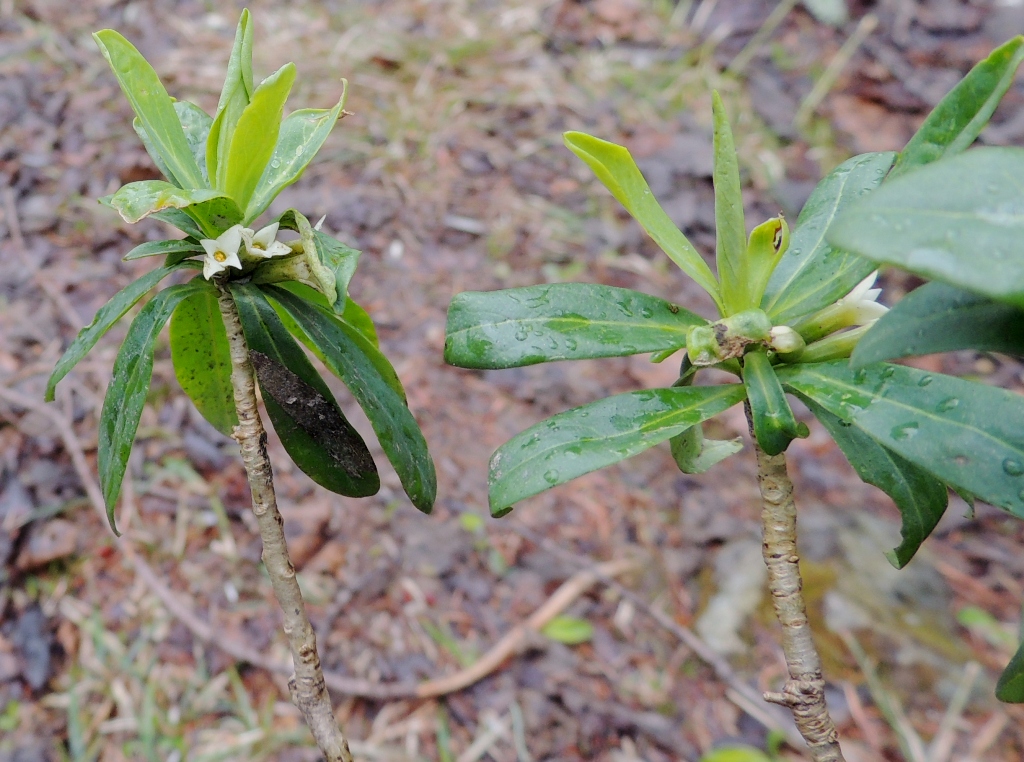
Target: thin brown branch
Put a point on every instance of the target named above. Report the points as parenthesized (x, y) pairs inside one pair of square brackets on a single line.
[(804, 692), (309, 692)]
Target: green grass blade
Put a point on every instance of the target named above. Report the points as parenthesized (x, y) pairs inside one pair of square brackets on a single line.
[(593, 436), (560, 321)]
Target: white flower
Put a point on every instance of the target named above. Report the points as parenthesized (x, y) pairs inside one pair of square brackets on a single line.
[(862, 301), (264, 244), (222, 252)]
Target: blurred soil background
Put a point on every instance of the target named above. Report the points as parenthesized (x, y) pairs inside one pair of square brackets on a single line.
[(450, 175)]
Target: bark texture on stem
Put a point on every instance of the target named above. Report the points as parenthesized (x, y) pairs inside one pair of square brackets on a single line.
[(804, 692), (307, 687)]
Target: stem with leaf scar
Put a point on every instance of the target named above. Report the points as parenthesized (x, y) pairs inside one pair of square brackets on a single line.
[(307, 687), (804, 691)]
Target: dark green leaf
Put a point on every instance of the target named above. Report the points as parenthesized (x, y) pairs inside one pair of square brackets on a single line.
[(730, 228), (813, 274), (212, 209), (560, 321), (593, 436), (963, 433), (302, 134), (920, 498), (105, 317), (775, 426), (255, 136), (129, 385), (202, 358), (180, 220), (614, 167), (941, 318), (234, 97), (152, 105), (157, 248), (345, 353), (309, 422), (1010, 687), (353, 314), (960, 220), (960, 117)]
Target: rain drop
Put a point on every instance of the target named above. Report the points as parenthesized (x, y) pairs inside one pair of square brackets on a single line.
[(1013, 467), (521, 334), (860, 377), (948, 404), (275, 163), (645, 312), (925, 380), (904, 430), (551, 477), (888, 372), (1021, 494)]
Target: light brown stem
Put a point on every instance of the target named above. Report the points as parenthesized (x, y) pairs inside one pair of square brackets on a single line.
[(804, 692), (307, 687)]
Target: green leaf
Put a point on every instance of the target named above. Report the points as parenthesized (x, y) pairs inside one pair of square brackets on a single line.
[(126, 393), (921, 499), (960, 117), (963, 433), (345, 353), (960, 220), (731, 232), (695, 454), (105, 317), (614, 167), (813, 274), (765, 248), (560, 321), (202, 358), (180, 220), (940, 318), (152, 105), (593, 436), (353, 314), (196, 124), (314, 431), (302, 134), (775, 426), (1010, 687), (255, 136), (331, 262), (214, 211), (570, 630), (157, 248), (234, 97)]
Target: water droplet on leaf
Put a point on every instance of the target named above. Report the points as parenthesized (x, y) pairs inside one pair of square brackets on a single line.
[(551, 477), (1013, 467), (904, 430)]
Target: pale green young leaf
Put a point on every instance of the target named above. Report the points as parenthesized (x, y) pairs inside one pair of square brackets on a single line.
[(302, 134), (731, 233), (196, 124), (960, 117), (153, 106), (255, 136), (614, 167), (234, 97)]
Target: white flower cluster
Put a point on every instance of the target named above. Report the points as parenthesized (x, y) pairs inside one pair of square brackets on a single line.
[(222, 252)]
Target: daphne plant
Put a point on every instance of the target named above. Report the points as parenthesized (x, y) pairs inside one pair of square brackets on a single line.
[(791, 309), (245, 316)]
